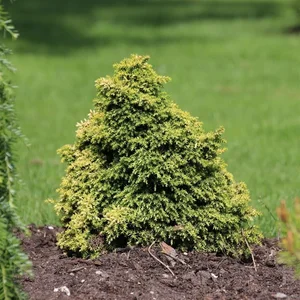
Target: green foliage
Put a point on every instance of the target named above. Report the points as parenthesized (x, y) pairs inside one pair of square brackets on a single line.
[(296, 8), (290, 224), (9, 132), (6, 23), (142, 170), (13, 261), (216, 75)]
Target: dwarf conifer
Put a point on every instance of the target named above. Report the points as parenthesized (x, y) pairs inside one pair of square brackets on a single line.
[(141, 170)]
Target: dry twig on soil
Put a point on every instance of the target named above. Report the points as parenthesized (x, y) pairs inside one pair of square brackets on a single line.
[(149, 251), (76, 269), (175, 258), (252, 256)]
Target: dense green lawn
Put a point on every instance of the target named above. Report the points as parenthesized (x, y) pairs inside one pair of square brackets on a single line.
[(231, 65)]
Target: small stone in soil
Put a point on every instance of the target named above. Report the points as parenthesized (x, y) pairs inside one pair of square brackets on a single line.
[(103, 274), (280, 296), (62, 289)]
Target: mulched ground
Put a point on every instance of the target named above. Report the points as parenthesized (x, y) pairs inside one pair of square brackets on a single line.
[(136, 275)]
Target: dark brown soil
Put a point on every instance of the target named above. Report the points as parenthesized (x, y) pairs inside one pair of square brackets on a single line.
[(135, 274)]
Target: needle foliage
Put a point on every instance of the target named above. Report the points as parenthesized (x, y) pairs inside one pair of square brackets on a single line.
[(13, 262), (141, 169)]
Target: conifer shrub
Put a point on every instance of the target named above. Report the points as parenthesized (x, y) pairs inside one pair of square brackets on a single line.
[(141, 170), (13, 262)]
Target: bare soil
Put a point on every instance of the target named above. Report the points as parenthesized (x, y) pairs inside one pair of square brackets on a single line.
[(135, 274)]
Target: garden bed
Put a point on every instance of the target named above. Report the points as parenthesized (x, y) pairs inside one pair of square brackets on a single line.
[(135, 274)]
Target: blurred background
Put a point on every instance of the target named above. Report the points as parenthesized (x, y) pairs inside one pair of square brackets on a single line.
[(234, 63)]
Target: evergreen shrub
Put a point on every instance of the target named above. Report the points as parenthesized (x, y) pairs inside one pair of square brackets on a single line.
[(13, 262), (141, 170)]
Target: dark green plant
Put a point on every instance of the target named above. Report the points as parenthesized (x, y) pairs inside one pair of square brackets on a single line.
[(13, 262), (296, 8), (6, 25), (141, 170), (9, 131)]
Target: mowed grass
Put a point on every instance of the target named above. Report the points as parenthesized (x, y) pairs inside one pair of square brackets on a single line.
[(230, 62)]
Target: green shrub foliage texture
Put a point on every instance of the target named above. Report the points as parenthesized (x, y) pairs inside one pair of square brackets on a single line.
[(141, 170), (13, 262)]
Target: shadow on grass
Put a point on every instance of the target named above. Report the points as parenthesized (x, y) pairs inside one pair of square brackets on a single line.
[(294, 30), (58, 27)]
